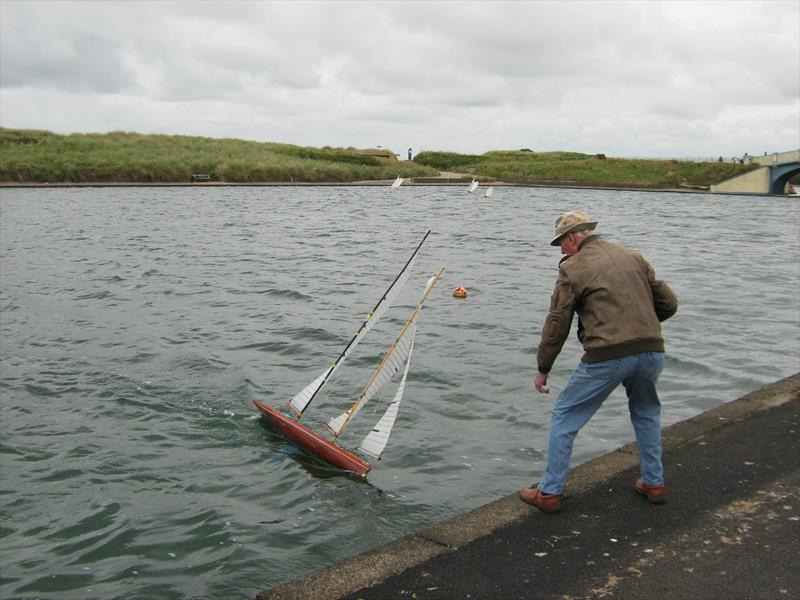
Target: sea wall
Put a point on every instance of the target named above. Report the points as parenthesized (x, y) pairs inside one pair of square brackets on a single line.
[(377, 565)]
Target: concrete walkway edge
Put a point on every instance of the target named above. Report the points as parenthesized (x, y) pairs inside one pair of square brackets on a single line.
[(393, 558)]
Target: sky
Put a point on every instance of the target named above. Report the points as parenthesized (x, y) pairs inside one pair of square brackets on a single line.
[(631, 79)]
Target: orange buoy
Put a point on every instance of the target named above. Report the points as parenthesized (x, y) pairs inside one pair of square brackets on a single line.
[(460, 292)]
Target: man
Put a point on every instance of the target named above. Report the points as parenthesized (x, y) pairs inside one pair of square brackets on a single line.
[(620, 305)]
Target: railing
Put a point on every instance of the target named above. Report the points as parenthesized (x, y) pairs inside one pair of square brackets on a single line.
[(696, 159), (778, 157), (765, 159)]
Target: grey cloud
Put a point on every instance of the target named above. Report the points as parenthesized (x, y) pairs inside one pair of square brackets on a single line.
[(677, 77), (86, 60)]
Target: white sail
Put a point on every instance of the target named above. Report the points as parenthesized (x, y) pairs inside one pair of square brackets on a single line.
[(473, 186), (303, 397), (391, 364), (375, 441), (397, 182), (301, 400), (489, 192), (392, 361), (299, 403)]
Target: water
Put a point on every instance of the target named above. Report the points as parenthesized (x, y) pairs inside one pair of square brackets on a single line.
[(138, 324)]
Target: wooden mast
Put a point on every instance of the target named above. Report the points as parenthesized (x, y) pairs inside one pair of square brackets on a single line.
[(350, 413)]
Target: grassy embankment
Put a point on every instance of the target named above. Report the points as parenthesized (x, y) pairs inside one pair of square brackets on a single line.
[(33, 156), (572, 168)]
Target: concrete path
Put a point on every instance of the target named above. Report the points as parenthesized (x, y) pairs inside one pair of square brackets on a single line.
[(731, 528)]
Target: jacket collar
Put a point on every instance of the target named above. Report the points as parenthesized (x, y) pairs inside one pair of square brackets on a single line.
[(588, 240)]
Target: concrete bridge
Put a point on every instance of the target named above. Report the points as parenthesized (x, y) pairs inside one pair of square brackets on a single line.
[(776, 171)]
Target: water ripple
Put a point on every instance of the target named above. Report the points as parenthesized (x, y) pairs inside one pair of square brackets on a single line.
[(139, 323)]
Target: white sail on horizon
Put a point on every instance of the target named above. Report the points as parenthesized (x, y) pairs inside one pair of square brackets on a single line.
[(397, 182), (473, 186)]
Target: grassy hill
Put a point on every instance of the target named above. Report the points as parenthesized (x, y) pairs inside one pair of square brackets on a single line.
[(35, 156), (526, 166)]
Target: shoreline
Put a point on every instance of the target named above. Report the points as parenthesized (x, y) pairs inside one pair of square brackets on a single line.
[(377, 183), (445, 180), (456, 556)]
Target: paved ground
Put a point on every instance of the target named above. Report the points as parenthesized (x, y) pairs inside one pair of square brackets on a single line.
[(731, 528)]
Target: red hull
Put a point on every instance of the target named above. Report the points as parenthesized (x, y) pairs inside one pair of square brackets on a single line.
[(314, 443)]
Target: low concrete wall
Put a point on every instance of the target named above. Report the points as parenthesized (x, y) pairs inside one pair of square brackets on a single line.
[(384, 561), (754, 182), (777, 157)]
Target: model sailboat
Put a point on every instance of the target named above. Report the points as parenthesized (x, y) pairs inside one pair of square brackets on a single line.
[(473, 186), (397, 357), (397, 182)]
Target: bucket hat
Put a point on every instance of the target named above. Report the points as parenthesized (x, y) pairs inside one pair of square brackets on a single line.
[(570, 222)]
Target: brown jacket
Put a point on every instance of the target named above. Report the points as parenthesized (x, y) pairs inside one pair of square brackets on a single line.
[(619, 302)]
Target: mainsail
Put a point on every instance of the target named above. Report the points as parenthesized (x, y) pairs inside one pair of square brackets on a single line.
[(303, 398), (473, 186), (375, 441), (397, 182), (394, 359)]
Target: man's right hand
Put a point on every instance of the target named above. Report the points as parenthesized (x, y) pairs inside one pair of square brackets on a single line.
[(540, 383)]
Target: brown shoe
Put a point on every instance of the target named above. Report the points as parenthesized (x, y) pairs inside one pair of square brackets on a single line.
[(656, 494), (547, 502)]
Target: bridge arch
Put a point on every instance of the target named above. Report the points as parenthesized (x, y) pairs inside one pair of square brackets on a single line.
[(775, 172), (780, 175)]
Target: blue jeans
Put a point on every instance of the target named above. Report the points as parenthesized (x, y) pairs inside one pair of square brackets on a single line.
[(587, 388)]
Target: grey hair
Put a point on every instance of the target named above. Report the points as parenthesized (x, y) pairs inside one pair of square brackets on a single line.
[(584, 233)]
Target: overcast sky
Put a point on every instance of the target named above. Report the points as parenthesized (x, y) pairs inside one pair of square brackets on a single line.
[(676, 79)]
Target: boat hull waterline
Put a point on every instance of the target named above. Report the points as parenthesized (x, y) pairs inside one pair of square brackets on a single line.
[(313, 442)]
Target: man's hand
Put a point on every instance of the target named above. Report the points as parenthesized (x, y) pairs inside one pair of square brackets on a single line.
[(540, 383)]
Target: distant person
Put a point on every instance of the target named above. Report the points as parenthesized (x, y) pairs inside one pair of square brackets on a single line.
[(620, 305)]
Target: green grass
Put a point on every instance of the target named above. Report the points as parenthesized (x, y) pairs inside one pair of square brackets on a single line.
[(526, 166), (33, 156)]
